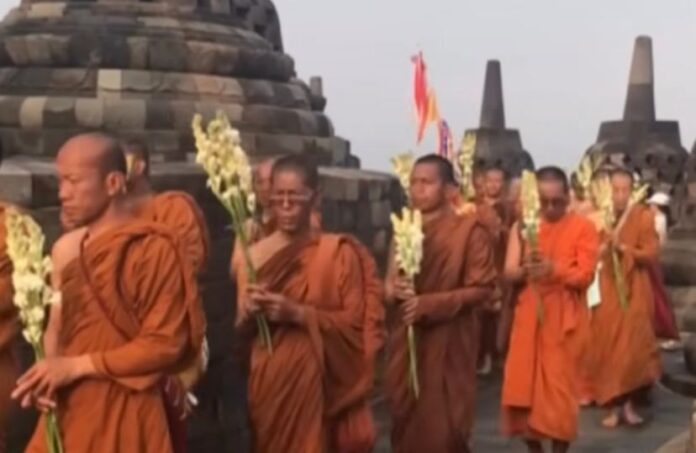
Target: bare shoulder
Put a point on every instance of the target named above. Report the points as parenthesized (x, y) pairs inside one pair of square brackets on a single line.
[(67, 247)]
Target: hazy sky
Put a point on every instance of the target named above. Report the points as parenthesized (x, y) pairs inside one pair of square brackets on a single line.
[(565, 65)]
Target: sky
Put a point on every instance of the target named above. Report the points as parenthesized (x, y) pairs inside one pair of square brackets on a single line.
[(565, 66)]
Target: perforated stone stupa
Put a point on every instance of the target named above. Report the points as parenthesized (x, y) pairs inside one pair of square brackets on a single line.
[(496, 145)]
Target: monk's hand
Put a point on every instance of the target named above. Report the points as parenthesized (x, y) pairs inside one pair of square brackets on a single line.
[(279, 308), (409, 311), (46, 376), (538, 268), (403, 289)]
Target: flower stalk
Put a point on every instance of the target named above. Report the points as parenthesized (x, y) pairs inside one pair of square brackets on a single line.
[(219, 151), (465, 161), (32, 294), (408, 241), (530, 228)]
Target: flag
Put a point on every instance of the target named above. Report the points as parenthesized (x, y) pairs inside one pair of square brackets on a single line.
[(420, 88), (445, 146), (432, 115)]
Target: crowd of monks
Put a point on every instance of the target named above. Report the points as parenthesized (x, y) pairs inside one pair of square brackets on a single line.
[(126, 344)]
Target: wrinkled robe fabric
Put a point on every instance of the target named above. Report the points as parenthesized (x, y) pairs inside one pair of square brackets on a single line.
[(180, 212), (540, 395), (131, 303), (623, 352), (8, 330), (457, 255), (315, 374)]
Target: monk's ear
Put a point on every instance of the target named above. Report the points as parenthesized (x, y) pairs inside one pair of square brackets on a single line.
[(115, 182)]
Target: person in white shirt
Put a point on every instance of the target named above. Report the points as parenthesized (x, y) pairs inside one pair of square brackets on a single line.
[(664, 320)]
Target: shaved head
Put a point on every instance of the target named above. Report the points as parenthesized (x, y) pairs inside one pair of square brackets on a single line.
[(100, 149), (91, 175), (263, 172)]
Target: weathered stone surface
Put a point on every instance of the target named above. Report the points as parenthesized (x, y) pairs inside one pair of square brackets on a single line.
[(31, 112), (89, 113)]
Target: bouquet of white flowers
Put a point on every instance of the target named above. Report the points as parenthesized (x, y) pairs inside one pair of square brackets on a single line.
[(32, 294), (220, 153)]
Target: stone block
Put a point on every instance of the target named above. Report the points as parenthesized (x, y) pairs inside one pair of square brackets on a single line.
[(168, 55), (380, 212), (159, 115), (330, 214), (124, 114), (110, 83), (31, 112), (364, 217), (348, 216), (89, 113), (140, 82), (59, 113), (17, 49), (137, 52), (183, 112), (45, 10), (202, 58), (380, 242), (38, 50), (9, 110)]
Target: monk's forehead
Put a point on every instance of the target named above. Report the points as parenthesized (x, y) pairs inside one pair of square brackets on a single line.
[(81, 153), (551, 185)]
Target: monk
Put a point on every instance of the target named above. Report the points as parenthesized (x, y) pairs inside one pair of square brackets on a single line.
[(311, 290), (179, 212), (495, 182), (457, 275), (8, 330), (129, 316), (175, 209), (625, 357), (539, 399)]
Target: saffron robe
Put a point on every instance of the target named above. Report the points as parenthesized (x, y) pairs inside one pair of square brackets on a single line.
[(131, 303), (458, 258), (180, 212), (316, 372), (624, 354), (8, 330), (540, 395)]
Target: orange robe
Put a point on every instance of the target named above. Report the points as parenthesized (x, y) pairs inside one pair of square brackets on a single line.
[(315, 374), (130, 302), (180, 212), (458, 259), (624, 353), (539, 397), (8, 330)]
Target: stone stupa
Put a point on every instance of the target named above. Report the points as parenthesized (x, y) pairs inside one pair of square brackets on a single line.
[(141, 69), (496, 145), (649, 146)]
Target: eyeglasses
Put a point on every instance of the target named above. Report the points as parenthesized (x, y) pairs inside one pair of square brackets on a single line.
[(552, 202), (290, 199)]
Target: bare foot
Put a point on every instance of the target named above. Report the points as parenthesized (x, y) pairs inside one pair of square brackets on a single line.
[(611, 421), (631, 416)]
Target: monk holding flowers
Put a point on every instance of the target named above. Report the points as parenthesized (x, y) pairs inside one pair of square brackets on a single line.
[(129, 316), (311, 290), (457, 274), (539, 397)]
